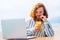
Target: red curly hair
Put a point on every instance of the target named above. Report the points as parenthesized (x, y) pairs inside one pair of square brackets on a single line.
[(38, 5)]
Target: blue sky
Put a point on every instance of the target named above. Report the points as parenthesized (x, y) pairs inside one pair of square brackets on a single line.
[(13, 9)]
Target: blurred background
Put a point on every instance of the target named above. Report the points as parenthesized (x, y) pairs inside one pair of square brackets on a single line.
[(16, 9)]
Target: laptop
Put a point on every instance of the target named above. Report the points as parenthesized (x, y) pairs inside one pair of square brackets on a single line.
[(14, 29)]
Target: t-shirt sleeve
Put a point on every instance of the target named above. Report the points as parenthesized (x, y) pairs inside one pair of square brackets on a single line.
[(49, 31), (29, 28)]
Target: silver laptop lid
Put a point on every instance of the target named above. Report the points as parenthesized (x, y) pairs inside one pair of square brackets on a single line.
[(14, 28)]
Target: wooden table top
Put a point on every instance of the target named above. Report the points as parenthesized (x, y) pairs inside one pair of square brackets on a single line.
[(43, 38)]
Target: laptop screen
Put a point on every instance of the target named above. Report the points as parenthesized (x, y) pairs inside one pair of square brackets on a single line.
[(14, 28)]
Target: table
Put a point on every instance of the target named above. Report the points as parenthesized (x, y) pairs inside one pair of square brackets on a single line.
[(43, 38)]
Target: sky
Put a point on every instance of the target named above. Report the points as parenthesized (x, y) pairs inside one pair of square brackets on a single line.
[(14, 9)]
